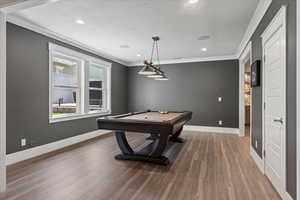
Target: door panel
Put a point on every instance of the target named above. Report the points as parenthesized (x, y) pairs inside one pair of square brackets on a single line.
[(274, 114)]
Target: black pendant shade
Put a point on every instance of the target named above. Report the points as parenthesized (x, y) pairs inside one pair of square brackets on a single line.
[(149, 69)]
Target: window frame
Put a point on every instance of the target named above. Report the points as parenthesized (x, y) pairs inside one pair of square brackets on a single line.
[(83, 83), (80, 63), (105, 86)]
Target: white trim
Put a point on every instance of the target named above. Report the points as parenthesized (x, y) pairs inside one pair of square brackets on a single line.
[(278, 21), (247, 52), (211, 129), (258, 160), (19, 5), (298, 99), (25, 23), (73, 53), (44, 31), (287, 196), (78, 116), (43, 149), (260, 11), (109, 98), (85, 62), (260, 164), (2, 101), (188, 60)]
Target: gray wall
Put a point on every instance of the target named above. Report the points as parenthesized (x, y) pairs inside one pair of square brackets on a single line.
[(192, 86), (28, 92), (291, 87)]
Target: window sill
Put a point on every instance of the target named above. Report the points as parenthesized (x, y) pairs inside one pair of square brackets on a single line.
[(78, 116)]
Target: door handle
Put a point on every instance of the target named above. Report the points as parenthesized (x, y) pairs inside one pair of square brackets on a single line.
[(280, 120)]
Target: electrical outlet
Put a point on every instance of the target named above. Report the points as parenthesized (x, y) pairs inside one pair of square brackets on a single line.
[(220, 99), (220, 122), (23, 142), (256, 144)]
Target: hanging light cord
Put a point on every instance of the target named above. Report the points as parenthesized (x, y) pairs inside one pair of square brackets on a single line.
[(153, 46), (157, 53)]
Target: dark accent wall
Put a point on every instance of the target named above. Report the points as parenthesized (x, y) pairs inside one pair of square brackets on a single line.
[(291, 87), (28, 92), (193, 87)]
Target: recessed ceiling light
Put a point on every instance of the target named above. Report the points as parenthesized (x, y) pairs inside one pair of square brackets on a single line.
[(204, 37), (138, 55), (204, 49), (124, 46), (193, 1), (80, 21)]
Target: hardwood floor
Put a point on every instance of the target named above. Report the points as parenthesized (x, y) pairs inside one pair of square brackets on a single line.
[(208, 167)]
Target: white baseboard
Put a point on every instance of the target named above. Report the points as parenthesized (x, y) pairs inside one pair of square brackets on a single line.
[(259, 162), (40, 150), (212, 129), (287, 196)]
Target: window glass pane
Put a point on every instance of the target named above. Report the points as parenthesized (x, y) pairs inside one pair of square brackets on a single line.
[(65, 86), (96, 87), (96, 76), (65, 72), (96, 100), (65, 101)]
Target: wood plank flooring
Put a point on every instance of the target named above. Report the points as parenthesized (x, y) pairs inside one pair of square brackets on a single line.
[(208, 167)]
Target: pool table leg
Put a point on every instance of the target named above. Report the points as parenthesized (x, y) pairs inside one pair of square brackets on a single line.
[(175, 137), (160, 145), (152, 137), (152, 153), (123, 143)]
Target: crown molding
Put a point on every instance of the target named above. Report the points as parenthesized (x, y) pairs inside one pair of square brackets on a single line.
[(25, 23), (17, 5), (189, 60), (259, 13), (261, 9), (20, 21)]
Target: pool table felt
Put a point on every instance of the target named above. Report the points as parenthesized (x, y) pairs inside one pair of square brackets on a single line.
[(153, 116)]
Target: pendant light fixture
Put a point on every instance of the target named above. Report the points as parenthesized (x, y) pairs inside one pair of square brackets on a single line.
[(163, 78), (158, 74), (149, 69)]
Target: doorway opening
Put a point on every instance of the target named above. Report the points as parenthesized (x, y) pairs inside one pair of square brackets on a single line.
[(245, 117), (247, 97)]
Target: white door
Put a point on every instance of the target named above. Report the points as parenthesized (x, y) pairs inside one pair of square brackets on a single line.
[(275, 108)]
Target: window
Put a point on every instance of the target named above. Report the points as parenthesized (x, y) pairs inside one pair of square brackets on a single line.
[(65, 85), (79, 85)]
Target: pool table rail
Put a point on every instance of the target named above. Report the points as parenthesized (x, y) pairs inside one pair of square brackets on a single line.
[(144, 126)]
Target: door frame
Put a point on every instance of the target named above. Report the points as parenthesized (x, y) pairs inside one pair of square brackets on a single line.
[(278, 21), (298, 99), (247, 52), (4, 11), (2, 101)]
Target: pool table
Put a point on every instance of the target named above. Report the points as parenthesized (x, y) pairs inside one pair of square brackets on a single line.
[(162, 126)]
